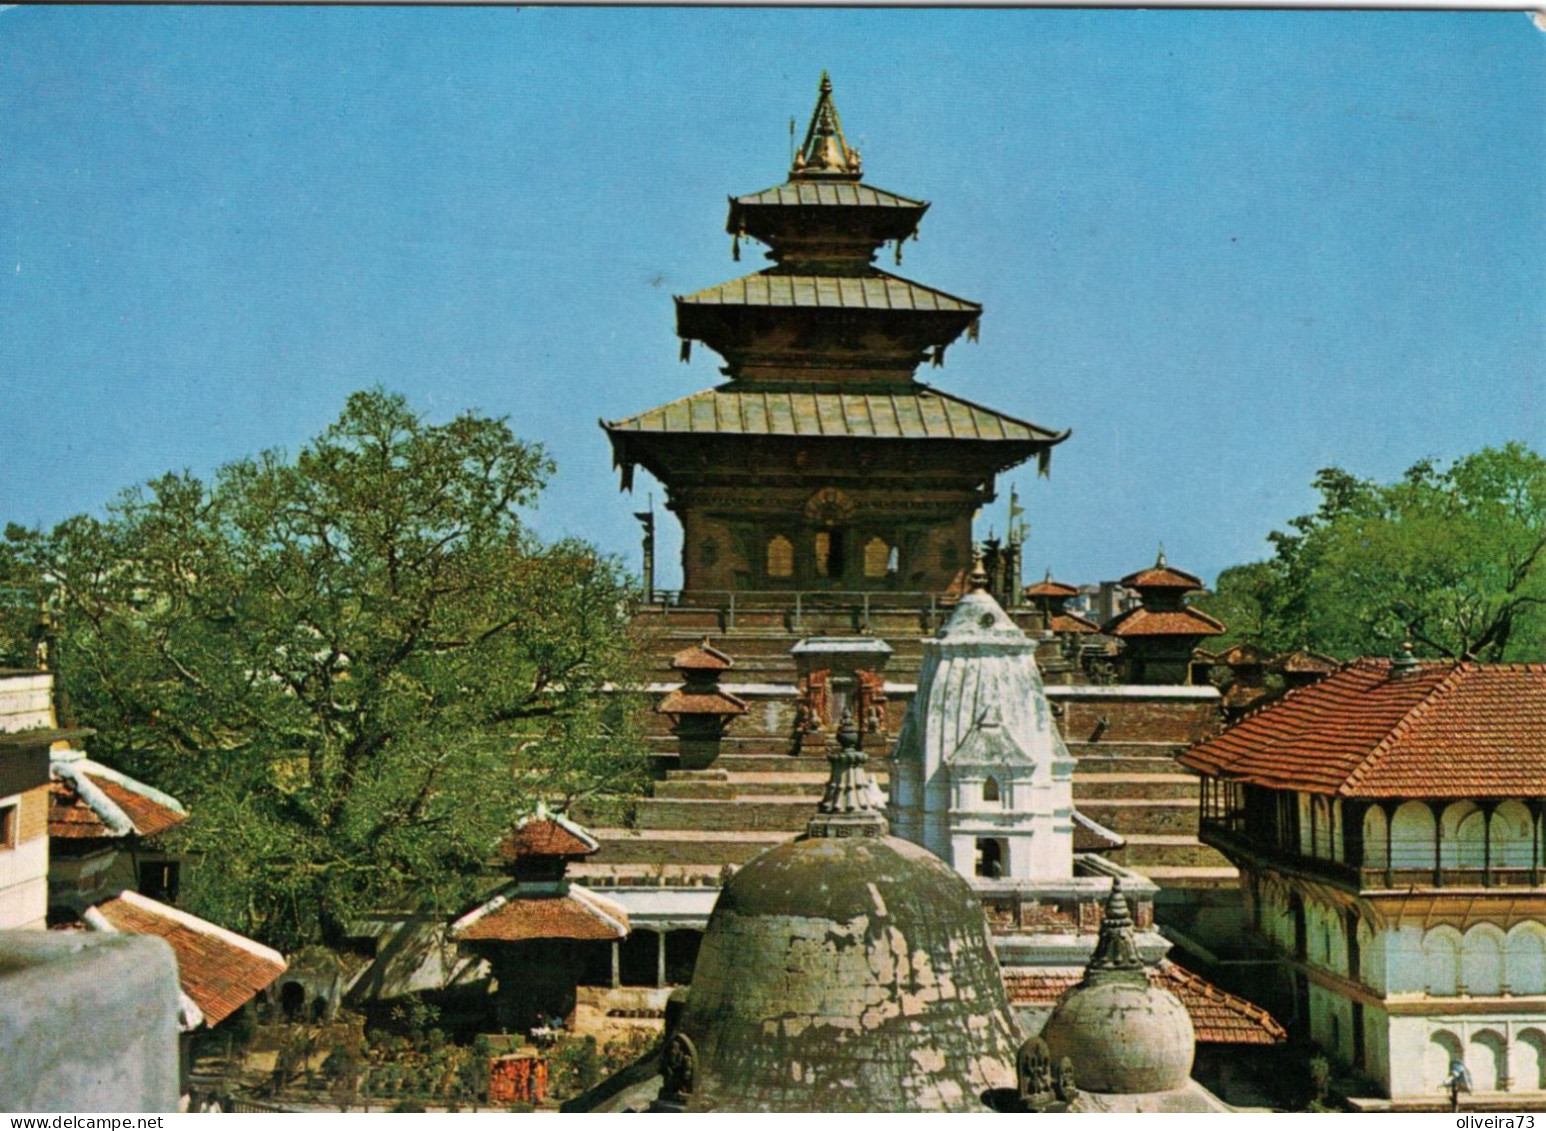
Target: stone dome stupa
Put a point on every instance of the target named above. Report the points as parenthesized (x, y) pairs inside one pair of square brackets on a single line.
[(1126, 1035), (847, 970)]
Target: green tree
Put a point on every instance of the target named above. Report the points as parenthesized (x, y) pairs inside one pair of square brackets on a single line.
[(356, 666), (1454, 557)]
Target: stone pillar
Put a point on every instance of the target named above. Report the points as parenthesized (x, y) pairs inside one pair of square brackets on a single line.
[(660, 958), (617, 963)]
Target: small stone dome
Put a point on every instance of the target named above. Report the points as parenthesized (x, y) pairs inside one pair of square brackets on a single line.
[(844, 971), (1125, 1035)]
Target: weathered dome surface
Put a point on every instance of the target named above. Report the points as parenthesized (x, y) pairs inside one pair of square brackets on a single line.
[(980, 664), (1125, 1035), (847, 973), (1122, 1038)]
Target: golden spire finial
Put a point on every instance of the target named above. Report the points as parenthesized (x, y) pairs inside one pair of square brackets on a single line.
[(825, 152)]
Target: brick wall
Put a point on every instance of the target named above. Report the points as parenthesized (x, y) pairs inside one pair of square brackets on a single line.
[(1138, 719), (32, 819)]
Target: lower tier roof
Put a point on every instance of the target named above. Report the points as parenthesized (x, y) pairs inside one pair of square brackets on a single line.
[(916, 413)]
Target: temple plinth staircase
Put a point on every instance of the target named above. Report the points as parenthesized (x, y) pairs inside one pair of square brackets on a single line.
[(757, 793)]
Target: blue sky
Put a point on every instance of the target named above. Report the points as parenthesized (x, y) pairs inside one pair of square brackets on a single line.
[(1225, 248)]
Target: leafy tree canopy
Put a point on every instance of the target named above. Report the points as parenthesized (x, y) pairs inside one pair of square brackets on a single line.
[(1453, 557), (355, 666)]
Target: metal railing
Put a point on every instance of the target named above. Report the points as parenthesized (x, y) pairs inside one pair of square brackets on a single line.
[(796, 604), (1228, 833)]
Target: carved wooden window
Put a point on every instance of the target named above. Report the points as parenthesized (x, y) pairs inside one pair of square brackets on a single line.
[(877, 558), (780, 557)]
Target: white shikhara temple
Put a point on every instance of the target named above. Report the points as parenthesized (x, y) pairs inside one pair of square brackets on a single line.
[(979, 774), (1387, 823)]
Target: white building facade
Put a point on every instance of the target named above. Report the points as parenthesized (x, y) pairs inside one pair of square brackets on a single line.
[(1413, 919)]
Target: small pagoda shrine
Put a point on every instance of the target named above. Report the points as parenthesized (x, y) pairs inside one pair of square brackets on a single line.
[(822, 462), (700, 709), (542, 930), (1048, 597), (1160, 635)]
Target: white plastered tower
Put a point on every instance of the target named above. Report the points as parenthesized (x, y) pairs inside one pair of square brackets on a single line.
[(979, 774)]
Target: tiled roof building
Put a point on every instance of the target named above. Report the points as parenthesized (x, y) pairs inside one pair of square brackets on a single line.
[(1160, 635), (541, 930), (219, 971), (1388, 825)]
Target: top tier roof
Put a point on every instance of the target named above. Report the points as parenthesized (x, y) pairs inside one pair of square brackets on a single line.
[(702, 657), (1162, 576), (1049, 588), (547, 834), (1434, 730), (822, 194), (822, 212)]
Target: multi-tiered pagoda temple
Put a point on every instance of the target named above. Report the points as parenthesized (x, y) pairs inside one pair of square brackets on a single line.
[(823, 463)]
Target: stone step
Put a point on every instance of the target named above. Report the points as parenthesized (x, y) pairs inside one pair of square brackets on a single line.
[(760, 813), (1125, 749), (1146, 850), (793, 785), (1100, 786), (1192, 877), (1143, 815), (1106, 764), (698, 790), (680, 848), (773, 763), (599, 877)]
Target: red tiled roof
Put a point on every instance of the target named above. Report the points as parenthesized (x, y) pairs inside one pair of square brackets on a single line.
[(1218, 1017), (701, 658), (219, 969), (70, 817), (1162, 577), (546, 836), (1072, 623), (1238, 655), (575, 914), (1440, 730), (1147, 622), (1050, 588), (1296, 663), (701, 703), (149, 816)]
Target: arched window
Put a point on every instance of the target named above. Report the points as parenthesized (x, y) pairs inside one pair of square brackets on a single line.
[(990, 858), (1524, 959), (1443, 1049), (1529, 1067), (1411, 836), (780, 556), (877, 557), (990, 790), (1481, 960), (1374, 838), (1511, 833), (1301, 928), (1441, 961), (1462, 836), (1488, 1061)]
